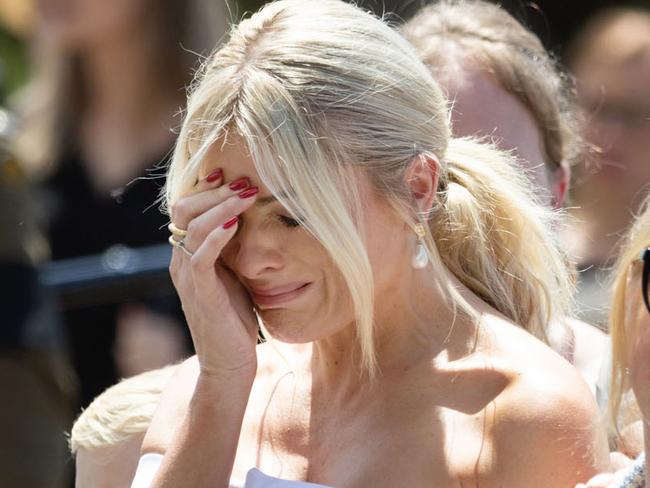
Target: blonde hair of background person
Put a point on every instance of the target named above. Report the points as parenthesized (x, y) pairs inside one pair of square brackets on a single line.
[(335, 114), (52, 102), (627, 320), (106, 437), (505, 86), (630, 332)]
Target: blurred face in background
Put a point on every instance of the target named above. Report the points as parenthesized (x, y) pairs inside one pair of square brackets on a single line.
[(613, 72), (82, 24), (482, 108)]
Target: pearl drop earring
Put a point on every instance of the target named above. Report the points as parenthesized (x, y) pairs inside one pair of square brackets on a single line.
[(421, 258)]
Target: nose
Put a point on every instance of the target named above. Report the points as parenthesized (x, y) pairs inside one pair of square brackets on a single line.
[(252, 255)]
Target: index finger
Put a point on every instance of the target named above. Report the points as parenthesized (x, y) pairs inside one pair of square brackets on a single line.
[(206, 196)]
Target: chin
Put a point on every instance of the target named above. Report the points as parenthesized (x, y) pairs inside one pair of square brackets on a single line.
[(283, 325)]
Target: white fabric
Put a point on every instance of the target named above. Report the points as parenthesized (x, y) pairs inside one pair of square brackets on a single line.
[(147, 468), (150, 463)]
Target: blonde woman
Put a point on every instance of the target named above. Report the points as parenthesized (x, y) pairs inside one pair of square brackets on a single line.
[(506, 87), (315, 189), (630, 331)]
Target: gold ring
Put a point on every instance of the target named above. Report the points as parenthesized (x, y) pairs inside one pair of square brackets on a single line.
[(176, 231)]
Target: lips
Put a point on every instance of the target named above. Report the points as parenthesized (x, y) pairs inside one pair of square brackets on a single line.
[(268, 297)]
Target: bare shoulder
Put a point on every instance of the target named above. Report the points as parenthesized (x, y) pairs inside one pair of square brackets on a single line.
[(547, 427)]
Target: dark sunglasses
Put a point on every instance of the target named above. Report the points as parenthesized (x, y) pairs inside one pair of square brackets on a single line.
[(645, 257)]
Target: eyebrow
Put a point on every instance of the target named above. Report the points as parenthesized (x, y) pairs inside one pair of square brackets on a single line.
[(267, 200)]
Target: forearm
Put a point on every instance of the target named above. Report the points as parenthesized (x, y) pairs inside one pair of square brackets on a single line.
[(202, 451)]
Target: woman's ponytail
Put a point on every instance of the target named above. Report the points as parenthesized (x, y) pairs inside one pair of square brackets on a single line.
[(495, 239)]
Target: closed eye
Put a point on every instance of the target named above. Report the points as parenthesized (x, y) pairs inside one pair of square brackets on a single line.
[(288, 221)]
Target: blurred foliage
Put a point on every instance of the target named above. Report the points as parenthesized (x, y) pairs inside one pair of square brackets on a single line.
[(13, 64), (16, 24)]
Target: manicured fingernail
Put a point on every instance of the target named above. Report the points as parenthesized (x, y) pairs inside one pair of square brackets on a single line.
[(249, 192), (230, 223), (214, 176), (239, 184)]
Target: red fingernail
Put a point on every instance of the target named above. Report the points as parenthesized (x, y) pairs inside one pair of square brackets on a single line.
[(230, 223), (249, 192), (214, 176), (239, 184)]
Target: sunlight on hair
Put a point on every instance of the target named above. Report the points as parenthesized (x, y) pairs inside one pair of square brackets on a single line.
[(317, 89)]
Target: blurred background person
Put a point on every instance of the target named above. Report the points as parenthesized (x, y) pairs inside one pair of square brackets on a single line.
[(610, 58), (505, 87), (108, 84), (630, 329), (36, 380)]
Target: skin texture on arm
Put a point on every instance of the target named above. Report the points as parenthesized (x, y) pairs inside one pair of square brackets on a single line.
[(196, 427), (110, 466), (172, 407)]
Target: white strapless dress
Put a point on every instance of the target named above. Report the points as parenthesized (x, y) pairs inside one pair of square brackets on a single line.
[(149, 464)]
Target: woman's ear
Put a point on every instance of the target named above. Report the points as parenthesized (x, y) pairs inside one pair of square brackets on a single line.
[(421, 179)]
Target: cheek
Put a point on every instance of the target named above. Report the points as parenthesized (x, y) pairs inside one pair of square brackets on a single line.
[(229, 253), (390, 246), (326, 308)]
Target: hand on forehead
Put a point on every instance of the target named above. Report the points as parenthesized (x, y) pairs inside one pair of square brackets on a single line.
[(233, 158)]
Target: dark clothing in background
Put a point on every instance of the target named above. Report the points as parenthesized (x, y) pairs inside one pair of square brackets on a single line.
[(85, 222), (35, 376)]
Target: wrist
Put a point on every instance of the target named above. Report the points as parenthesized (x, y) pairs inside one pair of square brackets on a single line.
[(226, 380), (220, 396), (246, 370)]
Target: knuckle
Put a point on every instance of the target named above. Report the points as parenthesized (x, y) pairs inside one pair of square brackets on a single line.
[(192, 227), (176, 209), (196, 263), (196, 229)]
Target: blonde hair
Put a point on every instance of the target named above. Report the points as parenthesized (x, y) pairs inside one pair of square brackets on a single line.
[(636, 240), (123, 410), (452, 32), (315, 88)]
